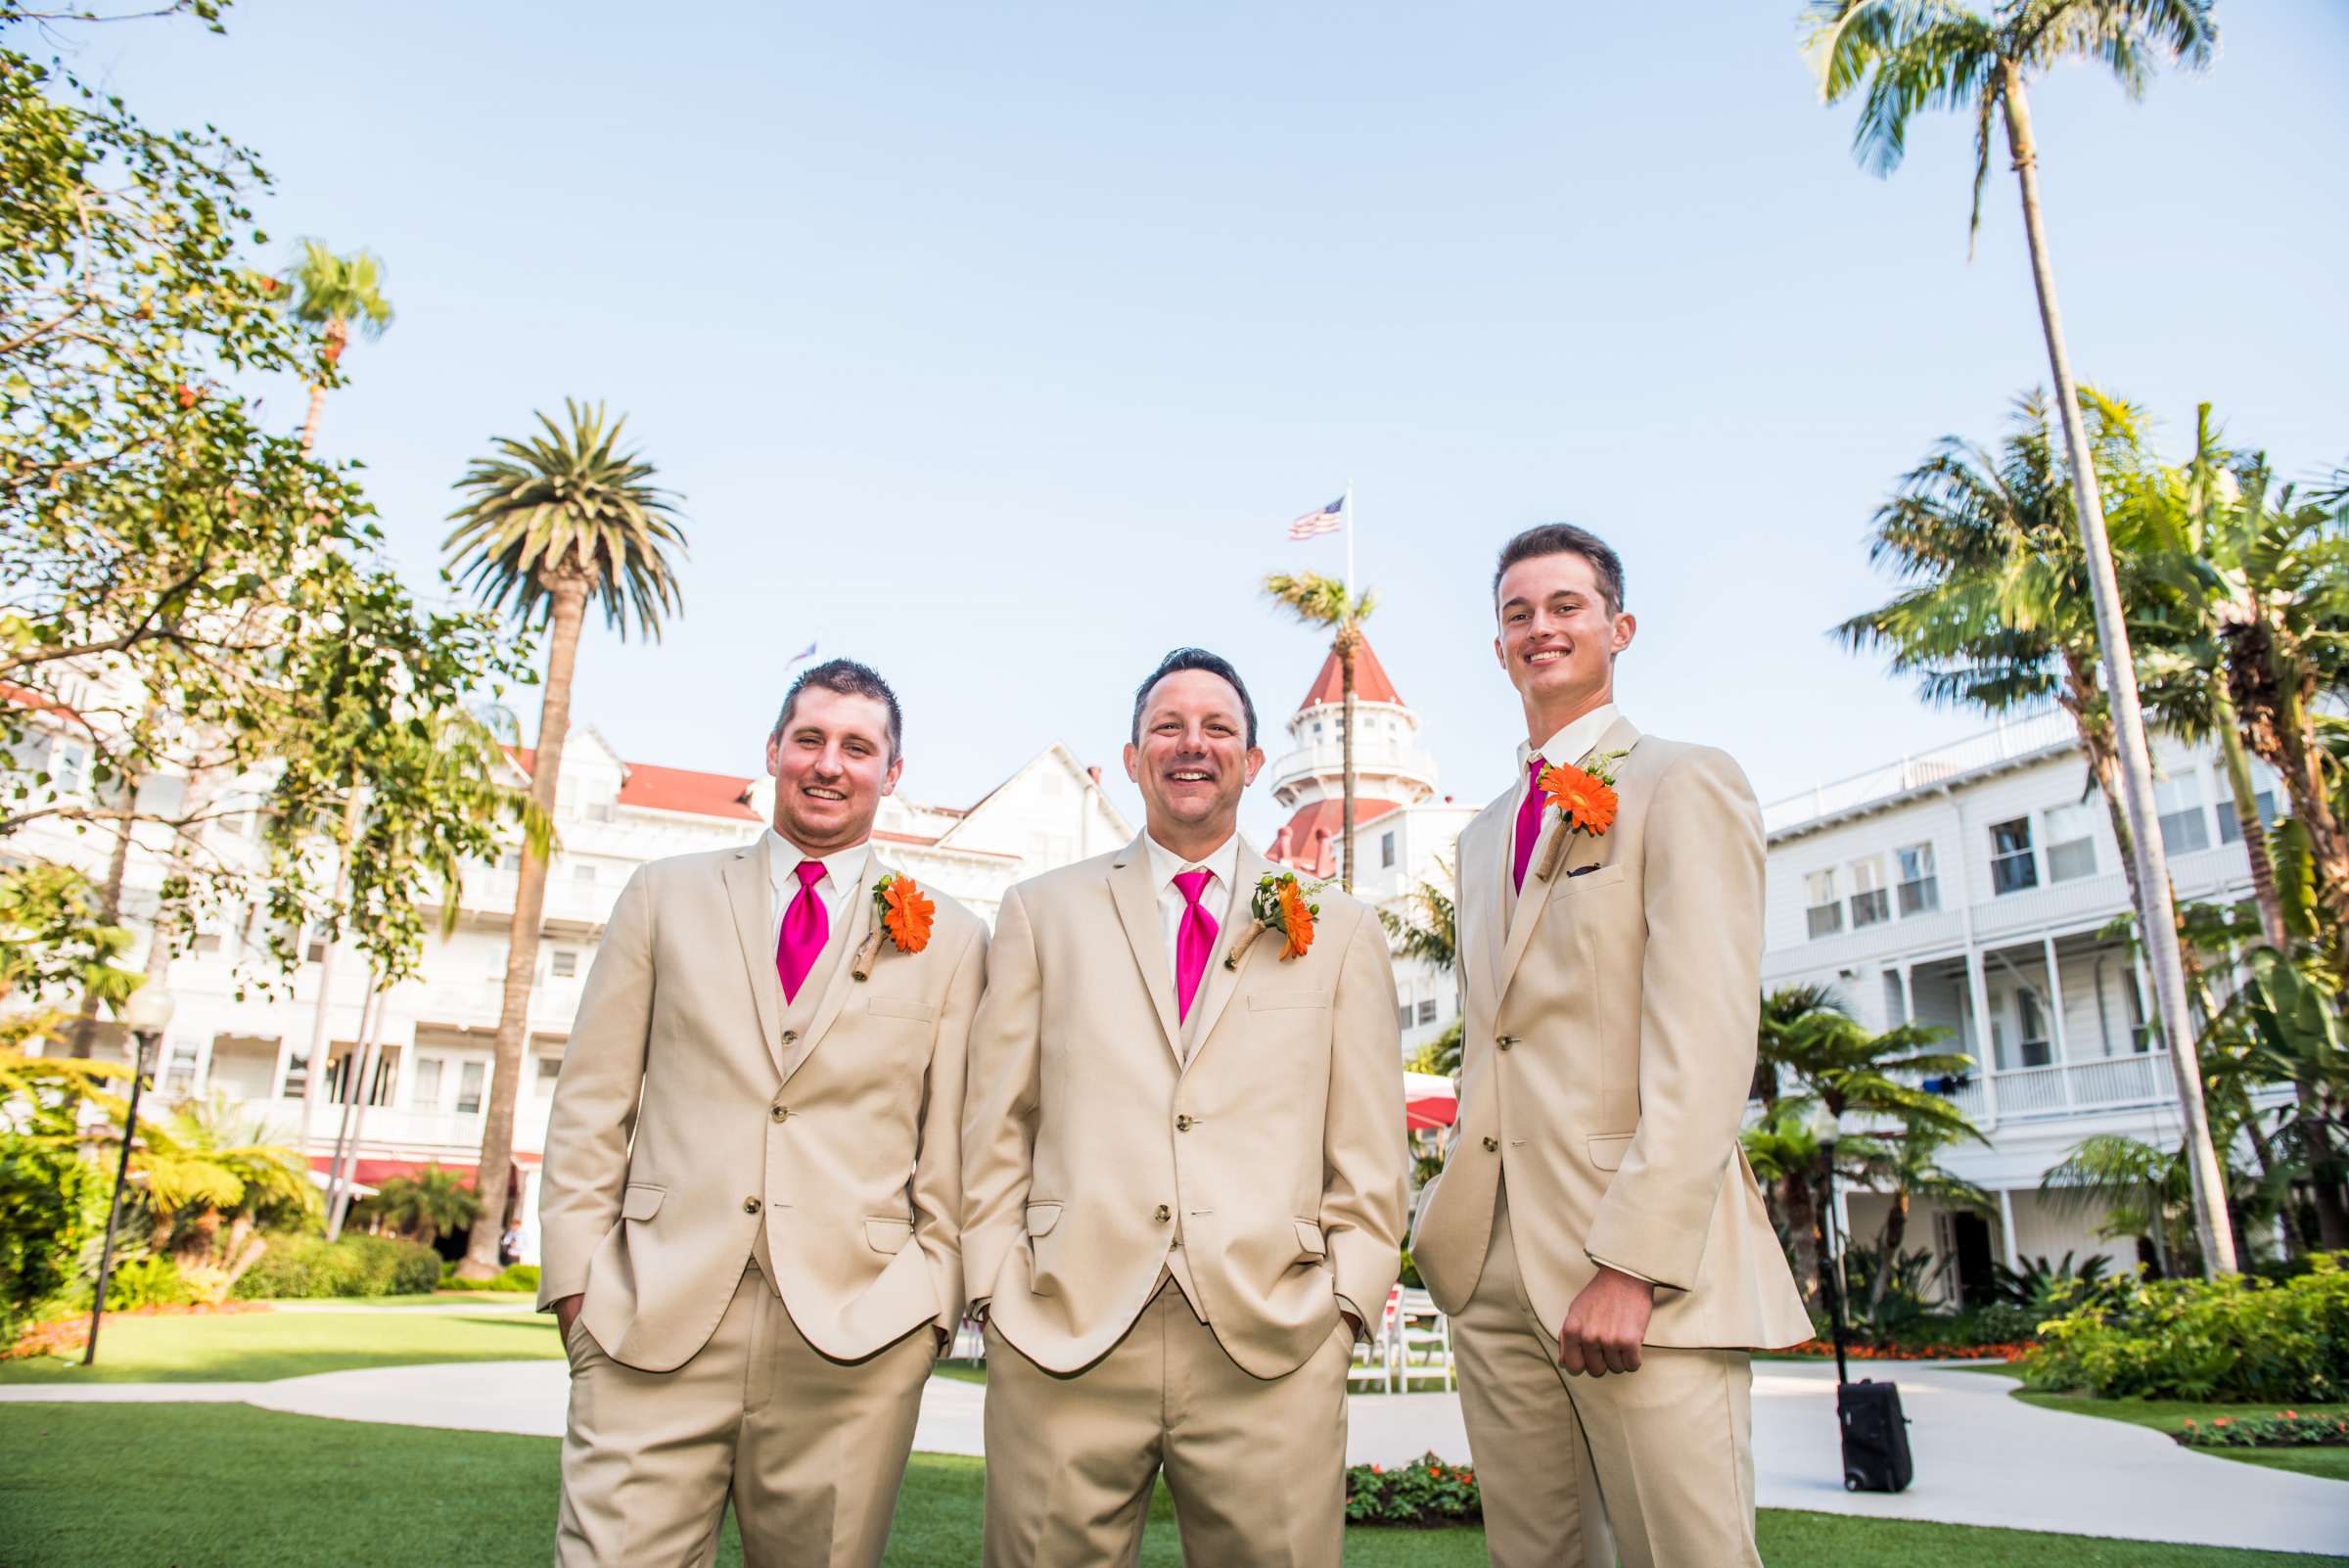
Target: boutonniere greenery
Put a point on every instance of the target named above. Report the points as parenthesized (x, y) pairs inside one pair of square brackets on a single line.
[(1280, 903), (900, 913), (1585, 801)]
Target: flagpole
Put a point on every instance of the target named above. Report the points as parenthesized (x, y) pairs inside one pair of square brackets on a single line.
[(1349, 540)]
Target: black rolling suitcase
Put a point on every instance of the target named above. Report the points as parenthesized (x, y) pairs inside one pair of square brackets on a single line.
[(1876, 1437)]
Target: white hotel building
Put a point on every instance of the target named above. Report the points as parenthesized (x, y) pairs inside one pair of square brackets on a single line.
[(1967, 889)]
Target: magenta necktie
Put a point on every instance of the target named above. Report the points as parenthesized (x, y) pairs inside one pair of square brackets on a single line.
[(1529, 819), (805, 930), (1194, 940)]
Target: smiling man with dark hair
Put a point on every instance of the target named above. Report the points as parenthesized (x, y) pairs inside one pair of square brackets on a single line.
[(1183, 1155)]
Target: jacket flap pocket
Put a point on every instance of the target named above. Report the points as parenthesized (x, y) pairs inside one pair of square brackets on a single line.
[(1042, 1218), (1606, 1149), (1310, 1238), (641, 1202), (1264, 1002), (888, 1235), (902, 1008), (1577, 882)]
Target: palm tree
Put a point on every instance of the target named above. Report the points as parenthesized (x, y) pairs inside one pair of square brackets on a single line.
[(551, 522), (423, 1206), (336, 293), (1320, 601), (1427, 929), (1935, 54), (1906, 1167)]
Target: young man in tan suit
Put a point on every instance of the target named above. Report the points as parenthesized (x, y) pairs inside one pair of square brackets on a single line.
[(1595, 1234), (1184, 1176), (752, 1196)]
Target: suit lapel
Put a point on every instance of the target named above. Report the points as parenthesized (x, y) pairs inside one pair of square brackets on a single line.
[(857, 925), (1534, 897), (749, 894), (1138, 910), (1217, 988), (1479, 908)]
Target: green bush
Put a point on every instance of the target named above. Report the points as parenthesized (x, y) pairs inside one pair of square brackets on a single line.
[(302, 1266), (520, 1279), (51, 1204), (2236, 1339), (1425, 1491), (149, 1281)]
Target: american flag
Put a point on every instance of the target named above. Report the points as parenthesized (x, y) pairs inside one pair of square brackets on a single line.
[(1322, 520)]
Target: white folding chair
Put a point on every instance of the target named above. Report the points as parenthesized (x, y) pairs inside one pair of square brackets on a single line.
[(1374, 1362), (1422, 1342)]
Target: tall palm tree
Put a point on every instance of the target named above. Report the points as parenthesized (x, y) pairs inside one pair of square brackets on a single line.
[(551, 522), (1910, 55), (1320, 601), (336, 293)]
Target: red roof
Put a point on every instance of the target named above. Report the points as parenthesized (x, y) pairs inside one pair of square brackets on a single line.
[(1371, 682), (1311, 835), (26, 697), (672, 789)]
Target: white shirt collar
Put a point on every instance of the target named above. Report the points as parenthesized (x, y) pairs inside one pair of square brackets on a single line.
[(842, 868), (1166, 864), (1569, 744)]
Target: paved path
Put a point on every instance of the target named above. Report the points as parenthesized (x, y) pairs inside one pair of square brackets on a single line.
[(1981, 1457)]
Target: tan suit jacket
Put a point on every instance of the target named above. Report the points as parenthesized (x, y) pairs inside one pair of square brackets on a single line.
[(1608, 1054), (1273, 1155), (684, 1121)]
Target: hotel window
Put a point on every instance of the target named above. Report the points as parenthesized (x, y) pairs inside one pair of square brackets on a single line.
[(549, 1067), (1386, 850), (1403, 1015), (510, 862), (2012, 867), (469, 1088), (582, 873), (2184, 825), (1871, 902), (1921, 889), (69, 766), (2072, 841), (1826, 910), (2033, 1030), (313, 947), (564, 963), (1427, 1011), (424, 1093), (2263, 793)]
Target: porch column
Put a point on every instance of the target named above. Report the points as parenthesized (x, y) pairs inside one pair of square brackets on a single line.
[(1977, 990), (2063, 1055), (2014, 1253), (1908, 994)]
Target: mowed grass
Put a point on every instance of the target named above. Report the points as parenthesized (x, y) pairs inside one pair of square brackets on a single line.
[(226, 1486), (255, 1347), (2171, 1415)]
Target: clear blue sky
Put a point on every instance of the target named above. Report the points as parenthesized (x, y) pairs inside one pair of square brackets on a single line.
[(998, 344)]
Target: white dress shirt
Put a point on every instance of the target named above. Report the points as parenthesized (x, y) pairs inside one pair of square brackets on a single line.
[(1567, 746), (1221, 867), (843, 870)]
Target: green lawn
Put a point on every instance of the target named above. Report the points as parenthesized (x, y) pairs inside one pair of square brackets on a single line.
[(252, 1347), (210, 1485), (2171, 1417)]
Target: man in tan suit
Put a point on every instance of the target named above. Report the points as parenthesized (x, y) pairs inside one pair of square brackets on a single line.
[(751, 1213), (1184, 1177), (1595, 1234)]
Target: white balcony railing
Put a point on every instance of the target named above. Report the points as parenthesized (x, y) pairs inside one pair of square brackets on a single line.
[(1372, 756), (2009, 741), (2063, 1088)]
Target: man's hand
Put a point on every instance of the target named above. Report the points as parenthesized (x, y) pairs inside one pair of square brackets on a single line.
[(1606, 1323), (566, 1313)]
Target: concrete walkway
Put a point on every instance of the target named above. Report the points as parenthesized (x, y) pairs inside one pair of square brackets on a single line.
[(1982, 1458)]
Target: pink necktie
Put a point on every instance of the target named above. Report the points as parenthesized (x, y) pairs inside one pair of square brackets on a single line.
[(1529, 819), (805, 930), (1194, 940)]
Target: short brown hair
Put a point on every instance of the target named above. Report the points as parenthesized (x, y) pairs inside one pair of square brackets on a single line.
[(845, 678), (1564, 538)]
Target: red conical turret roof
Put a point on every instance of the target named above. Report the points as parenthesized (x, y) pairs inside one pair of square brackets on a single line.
[(1371, 682)]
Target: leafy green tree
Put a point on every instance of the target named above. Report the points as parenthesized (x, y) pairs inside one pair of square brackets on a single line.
[(548, 524), (1906, 1165), (425, 1206), (334, 294), (1319, 601)]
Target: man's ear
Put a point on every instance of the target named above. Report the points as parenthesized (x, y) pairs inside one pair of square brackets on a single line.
[(889, 780), (1626, 627), (775, 755), (1133, 759), (1255, 762)]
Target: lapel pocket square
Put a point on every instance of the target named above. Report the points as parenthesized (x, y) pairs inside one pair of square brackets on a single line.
[(1582, 870)]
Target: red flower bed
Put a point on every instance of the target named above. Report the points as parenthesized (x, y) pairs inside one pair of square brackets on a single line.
[(64, 1335), (1909, 1353)]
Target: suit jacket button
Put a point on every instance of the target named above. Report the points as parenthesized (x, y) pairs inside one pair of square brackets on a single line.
[(1492, 1146), (791, 1036), (1183, 1124), (751, 1205), (1506, 1042), (1163, 1214), (781, 1113)]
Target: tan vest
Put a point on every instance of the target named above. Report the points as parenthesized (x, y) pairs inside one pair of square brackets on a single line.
[(799, 1016)]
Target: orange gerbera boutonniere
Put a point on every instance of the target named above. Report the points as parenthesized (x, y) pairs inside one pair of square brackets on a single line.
[(1585, 798), (903, 915), (1280, 903)]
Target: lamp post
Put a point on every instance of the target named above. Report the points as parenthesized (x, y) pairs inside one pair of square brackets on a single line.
[(145, 1015), (1824, 1126)]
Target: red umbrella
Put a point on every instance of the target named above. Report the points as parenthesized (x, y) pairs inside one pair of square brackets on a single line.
[(1428, 1101)]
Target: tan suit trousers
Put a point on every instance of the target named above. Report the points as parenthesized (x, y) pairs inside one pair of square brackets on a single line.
[(1257, 1467), (810, 1451), (1663, 1455)]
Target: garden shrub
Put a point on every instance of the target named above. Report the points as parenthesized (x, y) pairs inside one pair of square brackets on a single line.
[(2232, 1339), (2290, 1430), (149, 1281), (1425, 1491), (51, 1204), (301, 1266)]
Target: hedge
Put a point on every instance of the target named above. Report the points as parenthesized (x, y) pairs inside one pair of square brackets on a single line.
[(2236, 1339), (296, 1266)]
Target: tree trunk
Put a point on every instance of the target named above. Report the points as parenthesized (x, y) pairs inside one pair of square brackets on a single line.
[(309, 425), (343, 1169), (2274, 701), (1896, 1231), (1801, 1208), (110, 912), (2246, 815), (495, 1177), (313, 1076), (2156, 916), (1347, 642)]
